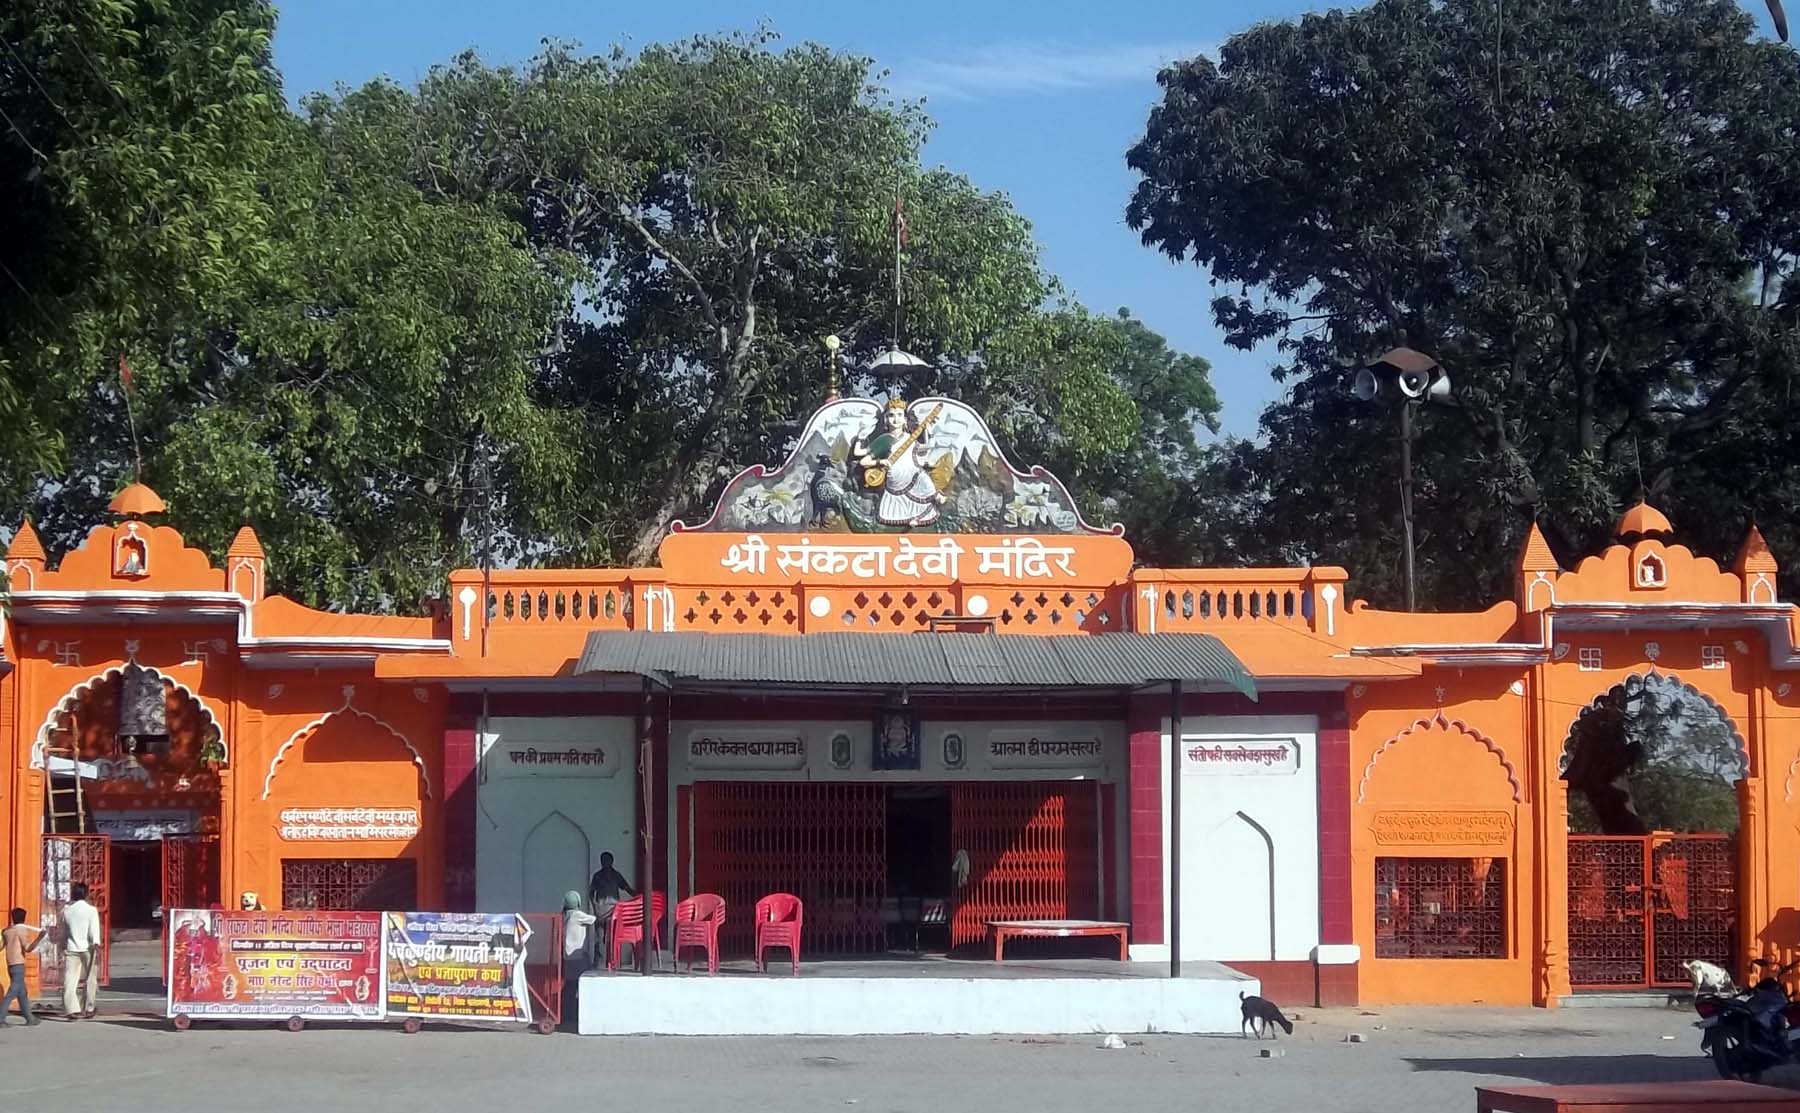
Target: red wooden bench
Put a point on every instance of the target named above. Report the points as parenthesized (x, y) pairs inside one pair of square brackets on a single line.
[(1638, 1097), (1055, 929)]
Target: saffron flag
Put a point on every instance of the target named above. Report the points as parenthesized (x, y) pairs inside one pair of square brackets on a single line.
[(125, 375), (900, 221)]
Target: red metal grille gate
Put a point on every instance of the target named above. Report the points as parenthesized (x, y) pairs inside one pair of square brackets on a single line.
[(190, 878), (1033, 854), (69, 859), (190, 871), (824, 843), (1641, 905)]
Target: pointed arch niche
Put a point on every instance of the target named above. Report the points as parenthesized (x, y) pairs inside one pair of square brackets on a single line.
[(554, 859), (349, 755), (1438, 761), (72, 699)]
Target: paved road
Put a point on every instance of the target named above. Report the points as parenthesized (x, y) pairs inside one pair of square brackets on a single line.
[(1417, 1060)]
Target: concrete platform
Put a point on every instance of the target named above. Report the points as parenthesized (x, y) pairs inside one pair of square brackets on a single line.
[(922, 996)]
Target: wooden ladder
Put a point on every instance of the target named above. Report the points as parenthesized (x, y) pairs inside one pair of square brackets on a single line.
[(67, 802)]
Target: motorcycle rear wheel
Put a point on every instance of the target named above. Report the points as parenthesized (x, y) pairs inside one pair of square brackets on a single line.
[(1729, 1055)]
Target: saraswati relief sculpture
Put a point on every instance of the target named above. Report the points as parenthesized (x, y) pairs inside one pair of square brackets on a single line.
[(928, 466)]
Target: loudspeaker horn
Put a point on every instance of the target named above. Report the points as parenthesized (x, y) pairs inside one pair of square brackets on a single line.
[(1365, 387)]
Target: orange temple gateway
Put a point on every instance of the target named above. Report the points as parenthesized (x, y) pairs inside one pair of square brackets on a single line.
[(907, 682)]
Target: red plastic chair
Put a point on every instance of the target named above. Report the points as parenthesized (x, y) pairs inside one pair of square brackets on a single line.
[(778, 918), (697, 923), (628, 926)]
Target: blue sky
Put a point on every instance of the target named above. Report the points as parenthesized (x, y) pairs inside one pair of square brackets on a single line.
[(1040, 101)]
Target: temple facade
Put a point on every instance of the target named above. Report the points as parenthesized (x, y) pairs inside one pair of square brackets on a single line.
[(905, 680)]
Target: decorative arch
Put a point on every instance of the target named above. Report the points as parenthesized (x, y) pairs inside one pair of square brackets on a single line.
[(41, 743), (533, 853), (1269, 845), (347, 709), (1652, 676), (1440, 721)]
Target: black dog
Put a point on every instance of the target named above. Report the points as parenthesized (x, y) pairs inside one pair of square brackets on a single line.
[(1261, 1015)]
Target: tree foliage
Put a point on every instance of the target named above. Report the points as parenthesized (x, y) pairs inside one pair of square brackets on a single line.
[(1588, 210), (1653, 756), (134, 138), (527, 314)]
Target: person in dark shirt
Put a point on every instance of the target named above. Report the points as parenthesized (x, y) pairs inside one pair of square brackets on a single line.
[(604, 892)]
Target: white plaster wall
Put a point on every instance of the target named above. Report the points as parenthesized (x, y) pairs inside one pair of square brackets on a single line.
[(978, 765), (538, 837), (1230, 877), (832, 1006)]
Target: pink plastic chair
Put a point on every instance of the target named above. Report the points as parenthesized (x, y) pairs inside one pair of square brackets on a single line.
[(697, 923), (778, 918), (628, 925)]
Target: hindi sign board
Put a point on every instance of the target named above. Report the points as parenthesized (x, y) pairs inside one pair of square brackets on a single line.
[(463, 966), (746, 750), (750, 558), (1205, 755), (275, 965), (1042, 749)]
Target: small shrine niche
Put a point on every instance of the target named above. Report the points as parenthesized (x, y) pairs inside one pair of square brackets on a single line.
[(1652, 572), (131, 554)]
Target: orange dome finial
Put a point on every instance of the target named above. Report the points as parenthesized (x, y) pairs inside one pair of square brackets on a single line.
[(1536, 555), (25, 544), (246, 544), (1642, 520), (137, 501)]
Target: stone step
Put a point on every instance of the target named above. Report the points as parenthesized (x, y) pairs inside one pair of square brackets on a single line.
[(1628, 999)]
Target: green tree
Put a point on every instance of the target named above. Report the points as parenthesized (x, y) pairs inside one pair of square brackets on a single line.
[(534, 314), (1653, 756), (133, 142), (1588, 210), (732, 205)]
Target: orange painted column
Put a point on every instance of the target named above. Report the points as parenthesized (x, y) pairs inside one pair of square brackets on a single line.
[(1550, 825), (1752, 868), (1756, 885)]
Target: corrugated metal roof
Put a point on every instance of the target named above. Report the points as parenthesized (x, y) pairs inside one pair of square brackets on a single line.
[(1119, 660)]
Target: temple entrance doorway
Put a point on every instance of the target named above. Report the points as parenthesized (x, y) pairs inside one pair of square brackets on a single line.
[(1652, 767), (908, 868), (132, 801)]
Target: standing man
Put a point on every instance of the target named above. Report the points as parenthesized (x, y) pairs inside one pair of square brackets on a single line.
[(14, 938), (604, 891), (81, 955), (575, 953)]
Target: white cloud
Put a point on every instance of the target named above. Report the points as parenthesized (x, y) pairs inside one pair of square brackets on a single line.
[(1033, 68)]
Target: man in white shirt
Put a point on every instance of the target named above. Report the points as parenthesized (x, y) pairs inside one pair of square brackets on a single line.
[(576, 922), (82, 940)]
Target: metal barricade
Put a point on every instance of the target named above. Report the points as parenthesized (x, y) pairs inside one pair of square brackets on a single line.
[(544, 969)]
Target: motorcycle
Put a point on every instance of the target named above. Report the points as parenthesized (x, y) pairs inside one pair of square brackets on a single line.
[(1747, 1032)]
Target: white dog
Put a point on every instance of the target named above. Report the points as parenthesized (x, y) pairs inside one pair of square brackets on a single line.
[(1707, 977)]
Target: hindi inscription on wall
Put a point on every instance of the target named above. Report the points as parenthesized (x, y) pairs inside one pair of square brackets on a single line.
[(1027, 749), (1207, 755), (509, 758), (710, 750), (348, 824), (1443, 828)]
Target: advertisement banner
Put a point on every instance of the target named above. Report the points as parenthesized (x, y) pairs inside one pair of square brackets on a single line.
[(454, 965), (275, 965)]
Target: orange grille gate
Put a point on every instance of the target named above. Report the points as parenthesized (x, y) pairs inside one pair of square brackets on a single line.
[(68, 859), (824, 843), (1639, 905), (1033, 854)]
